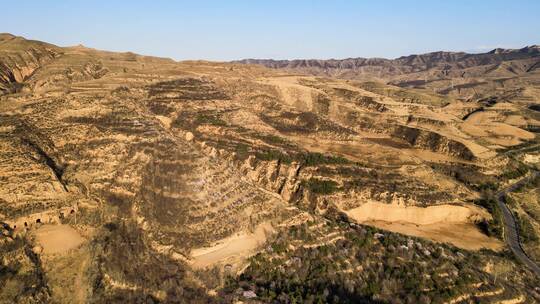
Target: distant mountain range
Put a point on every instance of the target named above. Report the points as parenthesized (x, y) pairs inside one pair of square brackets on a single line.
[(434, 66), (415, 62)]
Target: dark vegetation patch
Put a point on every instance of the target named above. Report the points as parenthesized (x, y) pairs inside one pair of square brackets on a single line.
[(121, 90), (11, 88), (356, 171), (315, 159), (392, 267), (209, 119), (514, 170), (160, 108), (462, 86), (320, 186), (369, 103), (535, 107), (390, 142), (364, 122), (356, 175), (472, 112), (494, 226), (489, 101), (303, 122), (526, 230), (468, 175), (412, 84), (269, 155), (241, 150), (527, 146), (118, 122), (432, 141), (307, 159), (241, 147), (122, 254), (273, 140), (345, 93), (50, 162), (366, 102), (22, 279), (533, 183), (532, 128), (29, 207), (186, 89), (322, 104), (266, 101), (191, 120), (425, 120)]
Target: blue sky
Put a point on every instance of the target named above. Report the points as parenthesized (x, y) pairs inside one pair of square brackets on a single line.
[(234, 29)]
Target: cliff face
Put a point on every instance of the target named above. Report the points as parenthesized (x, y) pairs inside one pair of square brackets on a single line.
[(433, 142), (275, 176)]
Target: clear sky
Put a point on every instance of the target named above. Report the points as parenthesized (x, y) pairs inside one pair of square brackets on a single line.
[(279, 29)]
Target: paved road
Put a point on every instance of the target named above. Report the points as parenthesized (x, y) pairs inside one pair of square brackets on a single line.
[(511, 233)]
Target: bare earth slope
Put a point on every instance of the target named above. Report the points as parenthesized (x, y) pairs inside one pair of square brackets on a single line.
[(217, 182)]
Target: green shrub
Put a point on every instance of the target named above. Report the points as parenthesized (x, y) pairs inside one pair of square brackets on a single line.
[(313, 159), (491, 227), (515, 172), (487, 186), (241, 151), (273, 155), (273, 139), (209, 119), (321, 186), (526, 229)]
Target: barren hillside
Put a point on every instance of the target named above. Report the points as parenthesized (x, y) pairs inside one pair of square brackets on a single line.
[(127, 178)]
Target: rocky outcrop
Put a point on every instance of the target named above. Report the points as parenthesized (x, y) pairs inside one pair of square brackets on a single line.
[(433, 141), (17, 66), (274, 176)]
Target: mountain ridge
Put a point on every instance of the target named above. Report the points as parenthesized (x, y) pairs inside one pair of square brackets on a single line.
[(461, 74), (531, 49)]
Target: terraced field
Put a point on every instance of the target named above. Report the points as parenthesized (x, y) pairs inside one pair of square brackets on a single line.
[(210, 182)]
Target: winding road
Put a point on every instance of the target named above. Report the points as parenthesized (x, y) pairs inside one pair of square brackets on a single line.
[(511, 233)]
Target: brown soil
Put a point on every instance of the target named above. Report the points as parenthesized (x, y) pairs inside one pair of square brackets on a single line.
[(444, 223), (231, 250), (58, 238)]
